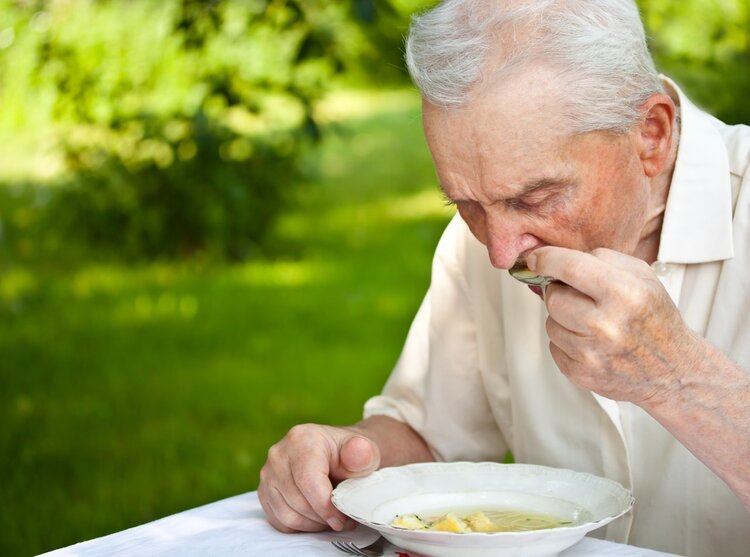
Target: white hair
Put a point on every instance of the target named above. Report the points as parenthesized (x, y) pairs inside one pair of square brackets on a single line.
[(597, 47)]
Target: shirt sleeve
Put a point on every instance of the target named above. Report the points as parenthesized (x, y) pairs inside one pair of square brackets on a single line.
[(436, 386)]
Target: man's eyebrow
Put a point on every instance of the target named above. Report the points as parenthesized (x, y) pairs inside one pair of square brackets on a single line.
[(548, 182), (444, 193), (446, 199)]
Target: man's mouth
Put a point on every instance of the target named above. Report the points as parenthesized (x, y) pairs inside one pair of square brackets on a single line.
[(536, 290)]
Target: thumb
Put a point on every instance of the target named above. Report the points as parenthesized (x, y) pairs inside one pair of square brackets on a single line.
[(358, 456)]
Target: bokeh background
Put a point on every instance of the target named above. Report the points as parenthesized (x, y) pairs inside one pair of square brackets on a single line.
[(216, 221)]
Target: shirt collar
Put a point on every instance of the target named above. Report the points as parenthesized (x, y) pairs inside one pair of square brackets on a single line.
[(697, 225)]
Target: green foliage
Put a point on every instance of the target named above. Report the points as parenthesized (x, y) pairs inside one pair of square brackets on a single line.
[(210, 191), (157, 176), (705, 46), (183, 121)]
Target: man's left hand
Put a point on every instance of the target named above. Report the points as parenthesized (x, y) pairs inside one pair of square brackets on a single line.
[(612, 326)]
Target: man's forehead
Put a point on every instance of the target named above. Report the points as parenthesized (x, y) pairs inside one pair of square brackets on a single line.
[(509, 137), (525, 112), (519, 150)]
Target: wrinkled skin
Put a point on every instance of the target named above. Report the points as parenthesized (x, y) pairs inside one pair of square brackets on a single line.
[(297, 479), (611, 324), (521, 181)]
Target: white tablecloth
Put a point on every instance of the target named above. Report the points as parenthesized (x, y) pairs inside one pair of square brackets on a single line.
[(237, 527)]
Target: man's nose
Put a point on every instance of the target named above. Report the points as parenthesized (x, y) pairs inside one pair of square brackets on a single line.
[(506, 240)]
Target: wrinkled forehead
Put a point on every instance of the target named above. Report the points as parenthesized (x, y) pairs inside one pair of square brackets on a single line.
[(518, 125)]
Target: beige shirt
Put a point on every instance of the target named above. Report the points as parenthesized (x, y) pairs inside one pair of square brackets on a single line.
[(476, 378)]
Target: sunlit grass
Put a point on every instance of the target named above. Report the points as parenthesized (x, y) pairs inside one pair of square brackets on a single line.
[(129, 393)]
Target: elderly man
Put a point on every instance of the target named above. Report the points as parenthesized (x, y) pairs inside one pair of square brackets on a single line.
[(564, 150)]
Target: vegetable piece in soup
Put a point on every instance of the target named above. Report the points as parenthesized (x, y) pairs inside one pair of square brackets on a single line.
[(480, 521)]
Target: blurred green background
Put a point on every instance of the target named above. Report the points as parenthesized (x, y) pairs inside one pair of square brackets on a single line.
[(216, 221)]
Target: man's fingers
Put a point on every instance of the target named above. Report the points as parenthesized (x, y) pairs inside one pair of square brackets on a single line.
[(564, 362), (297, 480), (593, 273), (296, 496), (315, 487), (313, 470), (564, 340), (284, 517), (583, 271), (284, 505), (309, 469), (353, 456), (568, 307)]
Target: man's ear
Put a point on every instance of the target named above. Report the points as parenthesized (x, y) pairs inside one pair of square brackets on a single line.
[(655, 133)]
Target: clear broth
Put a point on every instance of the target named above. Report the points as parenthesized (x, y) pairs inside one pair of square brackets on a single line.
[(489, 520)]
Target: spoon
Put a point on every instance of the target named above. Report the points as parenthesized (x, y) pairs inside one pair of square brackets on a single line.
[(521, 272)]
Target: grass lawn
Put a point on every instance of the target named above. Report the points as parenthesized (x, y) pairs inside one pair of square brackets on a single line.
[(127, 394)]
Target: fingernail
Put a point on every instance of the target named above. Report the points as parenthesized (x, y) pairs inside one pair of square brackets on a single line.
[(531, 262), (336, 524)]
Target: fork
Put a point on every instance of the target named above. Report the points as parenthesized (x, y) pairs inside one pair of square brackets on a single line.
[(373, 550)]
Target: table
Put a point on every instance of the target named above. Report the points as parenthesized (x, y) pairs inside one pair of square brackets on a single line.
[(236, 527)]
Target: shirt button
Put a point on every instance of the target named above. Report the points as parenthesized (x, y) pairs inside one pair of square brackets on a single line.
[(660, 268)]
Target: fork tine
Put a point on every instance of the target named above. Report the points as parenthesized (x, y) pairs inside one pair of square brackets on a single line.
[(338, 546), (354, 550), (347, 547)]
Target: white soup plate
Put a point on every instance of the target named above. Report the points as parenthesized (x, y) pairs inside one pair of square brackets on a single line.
[(588, 502)]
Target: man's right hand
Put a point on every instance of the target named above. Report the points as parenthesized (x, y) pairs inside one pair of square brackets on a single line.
[(297, 480)]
